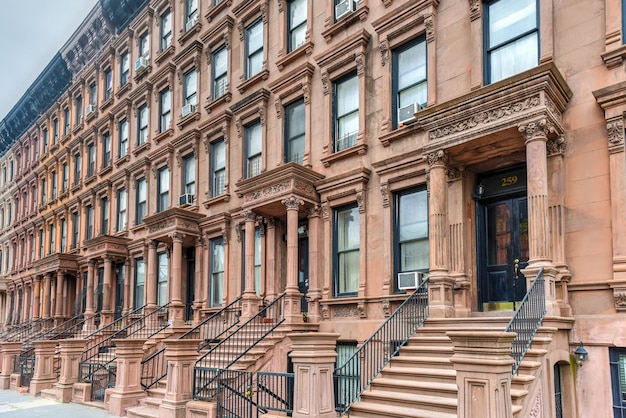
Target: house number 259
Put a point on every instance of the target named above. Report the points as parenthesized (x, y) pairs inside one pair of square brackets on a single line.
[(508, 181)]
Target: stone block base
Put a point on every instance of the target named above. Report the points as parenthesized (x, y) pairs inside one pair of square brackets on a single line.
[(36, 386), (15, 381), (119, 402), (64, 392), (201, 409), (5, 382), (172, 409), (81, 392)]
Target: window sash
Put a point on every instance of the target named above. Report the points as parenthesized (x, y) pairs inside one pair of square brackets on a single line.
[(295, 132), (166, 30), (89, 233), (106, 156), (162, 296), (75, 229), (165, 104), (124, 69), (66, 121), (217, 272), (254, 49), (189, 175), (191, 87), (121, 210), (164, 189), (140, 280), (123, 132), (346, 110), (141, 196), (144, 45), (104, 205), (297, 21), (91, 168), (108, 84), (253, 150), (220, 72), (347, 250), (142, 135)]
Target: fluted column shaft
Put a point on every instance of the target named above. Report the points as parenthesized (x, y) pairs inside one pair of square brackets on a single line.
[(59, 294), (46, 295)]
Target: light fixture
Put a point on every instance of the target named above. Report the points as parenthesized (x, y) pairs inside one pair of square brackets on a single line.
[(478, 193), (581, 354)]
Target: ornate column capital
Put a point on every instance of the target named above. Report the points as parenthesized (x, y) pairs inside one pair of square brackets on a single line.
[(437, 158), (615, 134), (249, 216), (538, 129), (177, 237), (292, 203), (556, 146)]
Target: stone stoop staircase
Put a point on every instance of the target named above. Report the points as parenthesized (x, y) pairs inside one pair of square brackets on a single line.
[(420, 382), (149, 406)]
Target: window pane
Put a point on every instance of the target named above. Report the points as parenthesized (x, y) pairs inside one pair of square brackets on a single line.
[(413, 216), (348, 272), (254, 139), (347, 96), (412, 65), (414, 255), (509, 19), (255, 63), (348, 232), (254, 37), (514, 58), (220, 62)]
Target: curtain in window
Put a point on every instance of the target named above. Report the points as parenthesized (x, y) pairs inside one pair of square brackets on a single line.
[(348, 237)]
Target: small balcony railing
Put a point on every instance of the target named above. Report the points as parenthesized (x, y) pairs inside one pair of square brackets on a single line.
[(527, 319)]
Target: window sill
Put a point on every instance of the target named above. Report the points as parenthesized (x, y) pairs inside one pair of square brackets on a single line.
[(225, 197), (75, 187), (332, 29), (89, 180), (302, 50), (401, 132), (164, 54), (122, 234), (143, 72), (215, 10), (614, 58), (183, 35), (77, 128), (64, 138), (108, 102), (138, 228), (105, 170), (186, 120), (123, 89), (263, 75), (122, 160), (163, 135), (91, 115), (225, 98), (141, 148), (358, 149)]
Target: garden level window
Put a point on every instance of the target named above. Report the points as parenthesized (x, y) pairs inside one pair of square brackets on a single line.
[(346, 249), (297, 10), (511, 38), (254, 49), (294, 132), (410, 232), (409, 76), (345, 112), (617, 359)]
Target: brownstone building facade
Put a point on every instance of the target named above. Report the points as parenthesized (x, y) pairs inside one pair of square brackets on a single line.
[(334, 151)]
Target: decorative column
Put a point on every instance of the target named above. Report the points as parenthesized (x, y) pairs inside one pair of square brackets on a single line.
[(536, 135), (313, 355), (151, 277), (9, 352), (482, 360), (58, 313), (46, 295), (37, 298), (128, 390), (270, 260), (89, 312), (71, 353), (127, 287), (43, 376), (315, 278), (180, 356), (250, 301), (293, 295), (440, 284), (198, 281), (177, 307), (107, 312)]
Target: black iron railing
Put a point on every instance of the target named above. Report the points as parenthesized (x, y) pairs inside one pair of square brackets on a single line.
[(360, 369), (245, 394), (24, 364), (101, 376), (226, 352), (27, 330), (527, 320), (209, 331)]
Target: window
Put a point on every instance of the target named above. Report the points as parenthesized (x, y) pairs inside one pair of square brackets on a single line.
[(121, 210), (189, 175), (79, 110), (409, 76), (144, 45), (346, 112), (191, 7), (77, 164), (75, 226), (558, 391), (55, 131), (45, 144), (162, 296), (253, 150), (511, 38), (44, 192), (123, 138), (166, 30), (220, 72), (51, 237), (54, 185), (10, 213), (164, 189), (165, 109), (104, 216), (66, 121), (89, 225), (296, 24), (93, 95), (217, 272), (411, 231), (218, 168), (257, 261), (124, 69), (91, 164), (42, 241), (108, 84), (66, 178), (63, 235), (140, 280), (190, 87), (254, 49), (142, 125), (617, 359), (294, 132), (346, 237), (106, 146), (349, 375), (140, 201)]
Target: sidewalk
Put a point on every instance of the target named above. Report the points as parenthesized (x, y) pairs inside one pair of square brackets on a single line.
[(18, 405)]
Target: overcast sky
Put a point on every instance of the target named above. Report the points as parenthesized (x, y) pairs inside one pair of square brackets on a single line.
[(31, 33)]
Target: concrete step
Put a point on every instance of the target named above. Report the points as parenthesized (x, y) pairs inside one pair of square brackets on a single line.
[(49, 393), (422, 362), (446, 390), (410, 400), (371, 410), (142, 412), (420, 374)]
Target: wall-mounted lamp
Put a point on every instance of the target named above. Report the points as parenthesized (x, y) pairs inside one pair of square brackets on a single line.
[(480, 190), (581, 354)]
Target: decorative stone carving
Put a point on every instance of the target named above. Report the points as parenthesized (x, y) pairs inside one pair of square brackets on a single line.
[(314, 211), (429, 24), (537, 129), (615, 132), (439, 157), (384, 51), (267, 191), (384, 191), (556, 146), (485, 117), (325, 311), (474, 9), (279, 108), (360, 64), (361, 310), (455, 173), (346, 312), (306, 93), (325, 83), (386, 308), (360, 201), (249, 216), (620, 299), (238, 233), (292, 203), (325, 210), (535, 412)]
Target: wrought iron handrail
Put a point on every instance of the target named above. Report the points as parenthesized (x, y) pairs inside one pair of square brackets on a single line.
[(117, 323), (153, 367), (360, 369), (25, 331), (229, 350), (527, 319)]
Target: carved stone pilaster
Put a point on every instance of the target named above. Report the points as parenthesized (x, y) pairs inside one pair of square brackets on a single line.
[(325, 211), (556, 146), (325, 83)]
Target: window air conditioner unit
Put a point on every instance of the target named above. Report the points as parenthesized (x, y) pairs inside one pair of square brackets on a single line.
[(141, 64), (185, 199), (406, 114), (190, 23), (410, 280), (188, 109), (343, 8), (90, 109)]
